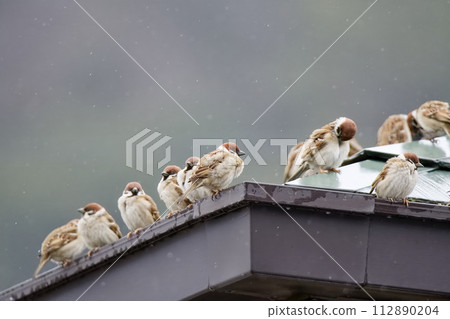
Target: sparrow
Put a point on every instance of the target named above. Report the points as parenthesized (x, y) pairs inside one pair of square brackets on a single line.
[(325, 149), (217, 169), (397, 178), (169, 191), (184, 174), (61, 246), (399, 128), (136, 208), (97, 228), (434, 118)]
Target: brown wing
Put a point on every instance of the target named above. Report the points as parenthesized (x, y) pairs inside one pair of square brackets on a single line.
[(113, 225), (380, 176), (55, 240), (205, 167), (394, 130), (443, 116), (318, 142), (438, 111), (59, 237), (156, 215), (207, 164), (177, 188), (202, 172), (153, 208), (311, 146), (320, 133)]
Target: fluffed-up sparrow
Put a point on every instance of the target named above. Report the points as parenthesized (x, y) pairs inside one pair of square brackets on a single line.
[(62, 245), (398, 178), (137, 208), (97, 228)]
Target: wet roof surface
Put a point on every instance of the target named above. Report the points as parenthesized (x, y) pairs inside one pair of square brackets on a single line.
[(434, 179)]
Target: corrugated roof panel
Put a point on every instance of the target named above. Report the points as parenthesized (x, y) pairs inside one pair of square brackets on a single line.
[(433, 185)]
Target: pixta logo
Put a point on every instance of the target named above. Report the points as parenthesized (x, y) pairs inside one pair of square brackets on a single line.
[(142, 146), (142, 149), (251, 149)]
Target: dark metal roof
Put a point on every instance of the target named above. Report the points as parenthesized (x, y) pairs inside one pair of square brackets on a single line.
[(243, 246)]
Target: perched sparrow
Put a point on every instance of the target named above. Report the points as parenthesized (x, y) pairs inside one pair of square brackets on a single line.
[(398, 178), (169, 191), (184, 174), (61, 246), (217, 169), (199, 192), (434, 118), (326, 148), (399, 128), (136, 208), (97, 228)]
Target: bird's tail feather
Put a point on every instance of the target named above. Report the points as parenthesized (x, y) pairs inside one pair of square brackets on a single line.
[(193, 186), (41, 264), (302, 169)]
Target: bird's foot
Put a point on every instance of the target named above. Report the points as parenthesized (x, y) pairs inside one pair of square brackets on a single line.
[(214, 194), (66, 262), (172, 213), (405, 201), (431, 137), (129, 235), (169, 214), (92, 251), (323, 171), (138, 231), (336, 170)]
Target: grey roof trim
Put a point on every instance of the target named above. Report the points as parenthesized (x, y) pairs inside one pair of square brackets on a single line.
[(242, 195)]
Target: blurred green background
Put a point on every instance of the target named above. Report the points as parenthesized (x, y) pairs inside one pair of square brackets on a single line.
[(70, 97)]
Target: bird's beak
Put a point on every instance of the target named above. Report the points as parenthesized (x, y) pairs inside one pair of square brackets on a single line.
[(81, 210), (135, 191), (165, 174), (419, 164), (240, 153)]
